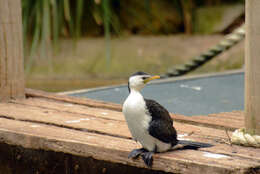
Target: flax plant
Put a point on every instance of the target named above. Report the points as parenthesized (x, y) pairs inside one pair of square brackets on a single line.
[(45, 21)]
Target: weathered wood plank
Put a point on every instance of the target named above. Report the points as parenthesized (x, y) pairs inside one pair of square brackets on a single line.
[(234, 115), (47, 137), (89, 121), (74, 108), (252, 70), (63, 119), (11, 51), (213, 121), (71, 108), (218, 122), (114, 126), (234, 150), (72, 100), (89, 117)]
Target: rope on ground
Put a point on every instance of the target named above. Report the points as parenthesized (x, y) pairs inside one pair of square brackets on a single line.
[(240, 137), (229, 41)]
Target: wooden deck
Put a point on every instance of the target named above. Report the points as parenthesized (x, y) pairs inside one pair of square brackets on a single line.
[(95, 130)]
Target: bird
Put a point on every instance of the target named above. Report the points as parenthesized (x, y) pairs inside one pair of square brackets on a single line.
[(149, 122)]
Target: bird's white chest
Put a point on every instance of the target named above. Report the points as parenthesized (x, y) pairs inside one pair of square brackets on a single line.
[(138, 120), (134, 110)]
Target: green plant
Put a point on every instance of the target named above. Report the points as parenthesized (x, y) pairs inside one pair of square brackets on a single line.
[(45, 21)]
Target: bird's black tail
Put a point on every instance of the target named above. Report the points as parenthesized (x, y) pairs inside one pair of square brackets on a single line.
[(193, 145)]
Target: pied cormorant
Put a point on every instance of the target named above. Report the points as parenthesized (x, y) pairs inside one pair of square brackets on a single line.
[(150, 123)]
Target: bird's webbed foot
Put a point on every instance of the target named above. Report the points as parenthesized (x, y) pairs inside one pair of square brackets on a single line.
[(148, 158), (136, 153)]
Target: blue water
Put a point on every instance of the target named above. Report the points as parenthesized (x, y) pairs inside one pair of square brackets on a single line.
[(199, 96)]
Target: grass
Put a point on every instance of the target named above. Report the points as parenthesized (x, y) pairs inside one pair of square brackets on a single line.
[(85, 66)]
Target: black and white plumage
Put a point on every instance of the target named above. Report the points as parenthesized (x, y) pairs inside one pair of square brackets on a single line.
[(149, 123)]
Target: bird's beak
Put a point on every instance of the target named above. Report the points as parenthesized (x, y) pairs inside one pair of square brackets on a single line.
[(151, 78)]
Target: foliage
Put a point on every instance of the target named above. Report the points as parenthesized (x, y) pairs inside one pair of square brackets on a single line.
[(45, 21)]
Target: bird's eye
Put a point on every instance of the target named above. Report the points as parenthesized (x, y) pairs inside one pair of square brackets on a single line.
[(144, 78)]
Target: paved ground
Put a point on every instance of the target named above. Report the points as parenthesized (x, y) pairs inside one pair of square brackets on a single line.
[(193, 96)]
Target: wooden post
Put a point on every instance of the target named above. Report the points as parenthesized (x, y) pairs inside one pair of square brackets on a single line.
[(11, 50), (252, 67)]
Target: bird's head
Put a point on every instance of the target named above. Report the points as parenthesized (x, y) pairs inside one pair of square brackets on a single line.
[(139, 79)]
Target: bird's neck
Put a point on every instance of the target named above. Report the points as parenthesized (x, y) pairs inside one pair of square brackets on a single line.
[(135, 95), (134, 101), (135, 92)]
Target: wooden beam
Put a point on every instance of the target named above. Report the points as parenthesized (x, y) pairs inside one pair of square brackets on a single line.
[(47, 125), (218, 121), (252, 68), (11, 51)]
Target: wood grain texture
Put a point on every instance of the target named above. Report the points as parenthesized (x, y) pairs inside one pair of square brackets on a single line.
[(113, 149), (219, 121), (31, 105), (49, 123), (252, 68), (11, 50), (108, 122), (72, 100)]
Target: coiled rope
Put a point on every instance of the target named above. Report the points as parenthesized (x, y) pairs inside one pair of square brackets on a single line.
[(229, 41), (240, 137)]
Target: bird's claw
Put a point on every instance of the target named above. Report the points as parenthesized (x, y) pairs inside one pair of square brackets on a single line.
[(136, 153), (148, 158)]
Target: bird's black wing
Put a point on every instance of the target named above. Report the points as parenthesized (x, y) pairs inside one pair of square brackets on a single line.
[(161, 125)]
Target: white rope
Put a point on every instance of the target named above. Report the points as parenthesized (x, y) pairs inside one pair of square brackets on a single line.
[(240, 137)]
